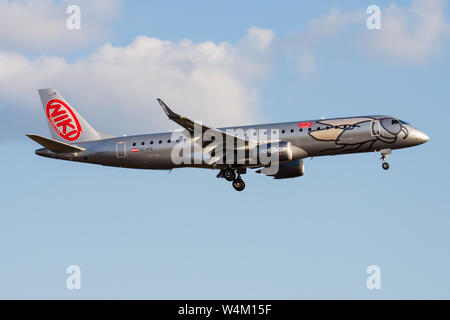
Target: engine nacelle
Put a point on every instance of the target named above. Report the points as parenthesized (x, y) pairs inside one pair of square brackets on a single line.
[(278, 152), (281, 149), (286, 170)]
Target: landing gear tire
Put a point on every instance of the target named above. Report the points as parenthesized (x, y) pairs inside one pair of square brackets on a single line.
[(239, 184), (229, 174), (385, 165)]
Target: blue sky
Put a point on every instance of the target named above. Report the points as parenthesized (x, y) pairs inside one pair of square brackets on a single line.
[(150, 234)]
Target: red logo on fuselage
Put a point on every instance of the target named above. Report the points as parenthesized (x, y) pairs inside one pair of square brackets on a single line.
[(306, 124), (63, 120)]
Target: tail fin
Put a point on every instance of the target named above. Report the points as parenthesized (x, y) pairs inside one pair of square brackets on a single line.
[(65, 123)]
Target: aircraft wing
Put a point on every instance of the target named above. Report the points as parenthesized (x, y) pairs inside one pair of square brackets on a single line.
[(189, 125), (208, 146)]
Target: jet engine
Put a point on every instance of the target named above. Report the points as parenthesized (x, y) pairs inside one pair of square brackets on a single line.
[(286, 170), (278, 152)]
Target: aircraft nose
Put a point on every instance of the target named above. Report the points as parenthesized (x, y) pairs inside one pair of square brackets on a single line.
[(420, 137)]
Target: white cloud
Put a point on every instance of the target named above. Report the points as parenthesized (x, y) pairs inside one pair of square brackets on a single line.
[(324, 31), (40, 26), (413, 34), (259, 39), (334, 23), (115, 88)]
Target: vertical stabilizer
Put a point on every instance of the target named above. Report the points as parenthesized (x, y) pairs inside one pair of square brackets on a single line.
[(65, 123)]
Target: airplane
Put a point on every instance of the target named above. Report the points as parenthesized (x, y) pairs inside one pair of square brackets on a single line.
[(275, 149)]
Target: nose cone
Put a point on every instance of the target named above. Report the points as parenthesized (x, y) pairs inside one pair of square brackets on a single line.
[(420, 137)]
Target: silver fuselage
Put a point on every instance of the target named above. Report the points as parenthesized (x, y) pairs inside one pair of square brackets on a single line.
[(314, 137)]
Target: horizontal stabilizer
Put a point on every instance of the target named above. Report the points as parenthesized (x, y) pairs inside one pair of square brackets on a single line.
[(55, 146)]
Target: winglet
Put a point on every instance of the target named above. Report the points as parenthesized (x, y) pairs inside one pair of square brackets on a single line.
[(170, 113)]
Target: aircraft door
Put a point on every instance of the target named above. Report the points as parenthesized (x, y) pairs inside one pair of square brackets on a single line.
[(121, 151), (376, 128)]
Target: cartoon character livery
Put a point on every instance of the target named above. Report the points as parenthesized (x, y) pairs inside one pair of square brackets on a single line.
[(277, 149)]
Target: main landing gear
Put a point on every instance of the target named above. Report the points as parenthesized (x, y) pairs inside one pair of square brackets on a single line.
[(238, 184), (384, 154), (229, 174), (234, 176)]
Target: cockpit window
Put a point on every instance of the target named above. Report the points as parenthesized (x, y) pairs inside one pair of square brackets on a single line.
[(403, 122), (391, 125)]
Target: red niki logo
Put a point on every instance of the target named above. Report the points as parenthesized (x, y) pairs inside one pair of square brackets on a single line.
[(306, 124), (63, 120)]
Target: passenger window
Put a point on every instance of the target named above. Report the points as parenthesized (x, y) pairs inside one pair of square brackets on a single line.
[(283, 131), (309, 129), (134, 144), (300, 129), (151, 142), (143, 143), (292, 130), (168, 141), (160, 141)]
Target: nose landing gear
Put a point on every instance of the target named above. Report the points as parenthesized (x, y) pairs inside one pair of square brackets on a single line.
[(384, 154)]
